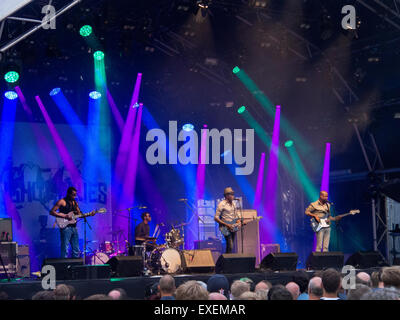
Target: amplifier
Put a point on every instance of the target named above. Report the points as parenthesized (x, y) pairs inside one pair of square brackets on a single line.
[(211, 244), (24, 262), (6, 230), (9, 252)]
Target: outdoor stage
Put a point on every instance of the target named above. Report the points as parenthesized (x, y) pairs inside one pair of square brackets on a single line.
[(136, 286)]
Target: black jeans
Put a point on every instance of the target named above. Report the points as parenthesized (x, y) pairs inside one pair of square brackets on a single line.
[(230, 242)]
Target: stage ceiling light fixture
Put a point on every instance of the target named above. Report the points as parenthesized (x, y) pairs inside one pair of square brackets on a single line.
[(95, 95), (241, 109), (236, 69), (98, 55), (54, 91), (85, 31), (188, 127), (11, 76), (11, 95), (289, 143)]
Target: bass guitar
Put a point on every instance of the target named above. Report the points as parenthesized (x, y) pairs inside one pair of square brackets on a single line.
[(236, 225), (63, 222), (325, 221)]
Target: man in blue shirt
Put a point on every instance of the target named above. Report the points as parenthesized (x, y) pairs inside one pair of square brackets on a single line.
[(166, 286)]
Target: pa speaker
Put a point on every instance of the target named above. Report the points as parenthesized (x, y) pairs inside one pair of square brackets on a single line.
[(129, 266), (235, 263), (365, 259), (280, 261), (63, 267), (102, 271), (198, 261), (324, 260)]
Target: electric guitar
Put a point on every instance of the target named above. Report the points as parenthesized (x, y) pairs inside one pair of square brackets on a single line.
[(325, 222), (63, 222), (236, 223)]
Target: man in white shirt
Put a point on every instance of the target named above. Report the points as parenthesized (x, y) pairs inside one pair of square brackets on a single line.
[(331, 283)]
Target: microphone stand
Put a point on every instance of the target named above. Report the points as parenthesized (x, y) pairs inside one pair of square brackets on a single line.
[(5, 270), (198, 218), (85, 222), (241, 223)]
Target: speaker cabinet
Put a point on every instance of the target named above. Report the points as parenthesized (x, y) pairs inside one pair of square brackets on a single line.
[(63, 267), (282, 261), (6, 230), (23, 262), (129, 266), (365, 259), (251, 236), (324, 260), (198, 261), (235, 263), (91, 272)]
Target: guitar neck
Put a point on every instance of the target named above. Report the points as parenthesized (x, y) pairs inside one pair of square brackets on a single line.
[(344, 215)]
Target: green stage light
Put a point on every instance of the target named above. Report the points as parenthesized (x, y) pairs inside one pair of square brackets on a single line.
[(85, 31), (241, 109), (98, 55), (288, 143), (11, 76), (236, 69)]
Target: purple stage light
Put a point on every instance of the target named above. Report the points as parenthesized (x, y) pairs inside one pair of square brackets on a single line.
[(325, 173), (260, 179)]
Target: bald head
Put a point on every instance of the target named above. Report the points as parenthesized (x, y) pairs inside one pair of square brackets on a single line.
[(363, 278), (323, 196), (262, 285), (315, 288), (216, 296), (294, 289)]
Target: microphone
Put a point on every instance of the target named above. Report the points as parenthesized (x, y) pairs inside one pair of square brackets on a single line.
[(182, 199), (331, 203), (142, 207), (236, 199)]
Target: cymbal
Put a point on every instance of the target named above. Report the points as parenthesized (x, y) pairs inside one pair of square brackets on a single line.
[(181, 225)]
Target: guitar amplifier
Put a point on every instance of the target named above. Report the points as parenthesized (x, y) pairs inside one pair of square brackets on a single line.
[(6, 230), (9, 252)]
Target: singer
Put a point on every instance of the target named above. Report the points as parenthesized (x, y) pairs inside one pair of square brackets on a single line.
[(321, 209), (228, 219)]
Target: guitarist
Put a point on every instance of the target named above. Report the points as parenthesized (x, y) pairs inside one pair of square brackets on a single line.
[(322, 209), (68, 234), (226, 213)]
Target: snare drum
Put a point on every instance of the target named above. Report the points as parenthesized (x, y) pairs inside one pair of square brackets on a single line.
[(107, 247), (166, 259)]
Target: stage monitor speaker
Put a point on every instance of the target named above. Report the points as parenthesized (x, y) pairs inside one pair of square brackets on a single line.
[(6, 230), (8, 252), (129, 266), (198, 261), (280, 261), (63, 267), (235, 263), (365, 259), (100, 271), (324, 260)]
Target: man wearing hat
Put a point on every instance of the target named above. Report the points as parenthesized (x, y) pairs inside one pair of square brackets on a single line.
[(225, 214)]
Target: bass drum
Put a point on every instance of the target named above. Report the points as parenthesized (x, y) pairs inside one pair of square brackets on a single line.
[(165, 259), (97, 258)]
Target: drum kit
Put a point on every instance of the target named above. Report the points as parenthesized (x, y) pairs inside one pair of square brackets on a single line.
[(164, 258)]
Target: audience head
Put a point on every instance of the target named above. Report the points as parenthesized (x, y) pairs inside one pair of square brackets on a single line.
[(382, 294), (363, 278), (218, 283), (281, 293), (262, 294), (331, 282), (166, 286), (239, 287), (315, 288), (273, 288), (263, 285), (44, 295), (3, 295), (118, 294), (358, 292), (72, 292), (250, 282), (294, 289), (391, 277), (191, 290), (248, 295), (98, 297), (61, 292), (376, 281), (301, 278), (216, 296)]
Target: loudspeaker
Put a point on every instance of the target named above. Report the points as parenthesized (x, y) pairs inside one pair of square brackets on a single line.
[(91, 272), (211, 244), (23, 262), (129, 266), (235, 263), (280, 261), (8, 252), (63, 267), (6, 230), (198, 261), (365, 259), (324, 260)]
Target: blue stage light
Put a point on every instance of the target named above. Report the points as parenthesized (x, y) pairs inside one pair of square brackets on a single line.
[(11, 95), (188, 127), (95, 95), (54, 91)]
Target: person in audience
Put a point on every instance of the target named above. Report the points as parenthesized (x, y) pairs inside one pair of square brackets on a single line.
[(331, 284), (191, 290), (98, 297), (152, 292), (216, 296), (382, 294), (3, 295), (391, 277), (44, 295), (239, 287), (61, 292), (72, 292), (273, 288), (263, 285), (376, 280), (281, 293), (301, 278), (166, 287), (315, 291), (218, 283), (118, 294), (294, 289), (358, 292), (248, 295), (250, 282), (363, 278), (262, 294)]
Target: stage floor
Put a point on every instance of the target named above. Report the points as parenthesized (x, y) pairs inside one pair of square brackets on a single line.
[(136, 286)]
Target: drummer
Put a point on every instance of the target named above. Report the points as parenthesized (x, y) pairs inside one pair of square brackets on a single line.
[(142, 231)]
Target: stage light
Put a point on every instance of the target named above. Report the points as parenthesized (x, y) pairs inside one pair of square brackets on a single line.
[(11, 95), (241, 109), (288, 143), (85, 31), (11, 76), (236, 69), (188, 127), (54, 91), (98, 55), (95, 95), (136, 105)]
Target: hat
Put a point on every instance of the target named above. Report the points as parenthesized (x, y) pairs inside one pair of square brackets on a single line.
[(228, 190), (217, 282)]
